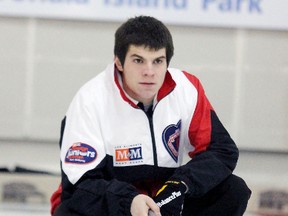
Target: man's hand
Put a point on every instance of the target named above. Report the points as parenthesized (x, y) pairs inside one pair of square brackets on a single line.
[(170, 198), (141, 204)]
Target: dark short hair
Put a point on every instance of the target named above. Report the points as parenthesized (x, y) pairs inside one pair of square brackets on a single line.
[(143, 30)]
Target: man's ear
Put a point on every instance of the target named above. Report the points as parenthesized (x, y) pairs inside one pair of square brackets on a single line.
[(118, 63)]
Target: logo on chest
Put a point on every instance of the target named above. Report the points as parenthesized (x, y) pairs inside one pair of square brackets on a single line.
[(171, 139), (128, 155)]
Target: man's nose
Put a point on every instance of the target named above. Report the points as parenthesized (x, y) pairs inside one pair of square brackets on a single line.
[(148, 70)]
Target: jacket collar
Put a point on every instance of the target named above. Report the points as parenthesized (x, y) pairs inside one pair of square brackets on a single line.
[(168, 85)]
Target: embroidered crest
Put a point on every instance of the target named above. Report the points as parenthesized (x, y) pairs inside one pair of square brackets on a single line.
[(171, 139)]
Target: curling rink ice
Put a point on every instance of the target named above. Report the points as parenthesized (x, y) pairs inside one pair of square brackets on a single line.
[(24, 210), (7, 210)]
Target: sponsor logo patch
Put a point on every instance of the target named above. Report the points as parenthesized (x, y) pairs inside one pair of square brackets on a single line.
[(173, 196), (171, 139), (80, 153), (128, 155)]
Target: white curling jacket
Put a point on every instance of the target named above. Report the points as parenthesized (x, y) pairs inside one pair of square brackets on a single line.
[(108, 140)]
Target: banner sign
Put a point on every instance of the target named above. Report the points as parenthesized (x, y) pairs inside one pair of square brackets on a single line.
[(263, 14)]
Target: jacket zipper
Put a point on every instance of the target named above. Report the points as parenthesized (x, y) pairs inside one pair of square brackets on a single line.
[(150, 118), (149, 114)]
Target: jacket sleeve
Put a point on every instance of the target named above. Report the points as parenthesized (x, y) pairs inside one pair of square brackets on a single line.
[(215, 155), (93, 197), (88, 185)]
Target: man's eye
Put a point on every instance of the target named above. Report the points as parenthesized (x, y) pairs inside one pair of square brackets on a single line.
[(138, 61), (158, 61)]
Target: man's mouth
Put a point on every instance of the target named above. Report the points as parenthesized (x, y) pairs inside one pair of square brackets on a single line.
[(147, 83)]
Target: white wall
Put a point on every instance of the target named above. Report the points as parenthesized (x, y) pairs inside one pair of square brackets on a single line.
[(44, 62)]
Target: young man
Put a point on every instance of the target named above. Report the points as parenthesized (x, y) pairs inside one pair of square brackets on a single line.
[(128, 131)]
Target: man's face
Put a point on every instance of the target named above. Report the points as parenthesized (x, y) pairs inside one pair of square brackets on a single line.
[(143, 72)]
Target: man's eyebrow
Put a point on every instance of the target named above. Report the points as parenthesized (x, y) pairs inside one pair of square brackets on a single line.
[(160, 57), (138, 56), (135, 55)]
